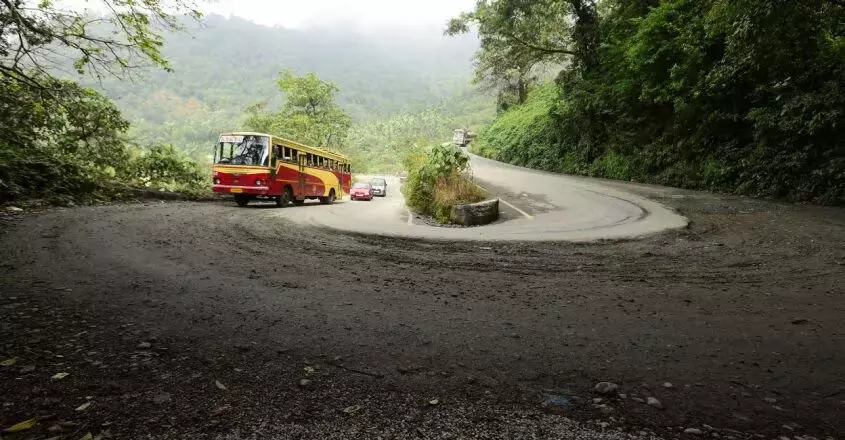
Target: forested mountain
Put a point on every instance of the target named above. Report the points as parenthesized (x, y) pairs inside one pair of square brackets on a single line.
[(222, 65)]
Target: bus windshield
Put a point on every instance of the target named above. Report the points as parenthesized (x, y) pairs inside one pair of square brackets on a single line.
[(243, 150)]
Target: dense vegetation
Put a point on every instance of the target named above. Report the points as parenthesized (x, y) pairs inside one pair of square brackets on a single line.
[(69, 146), (438, 181), (742, 96), (309, 114), (63, 143)]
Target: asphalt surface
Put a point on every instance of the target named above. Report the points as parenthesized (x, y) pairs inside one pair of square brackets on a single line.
[(206, 320), (537, 206)]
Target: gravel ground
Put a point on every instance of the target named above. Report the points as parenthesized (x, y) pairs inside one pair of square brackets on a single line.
[(202, 320)]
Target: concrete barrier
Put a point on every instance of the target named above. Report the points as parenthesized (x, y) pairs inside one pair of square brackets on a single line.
[(480, 213)]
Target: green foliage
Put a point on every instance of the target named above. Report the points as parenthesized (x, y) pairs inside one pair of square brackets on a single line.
[(380, 144), (162, 166), (517, 37), (437, 181), (56, 146), (740, 96), (443, 160), (309, 115), (225, 65), (523, 135), (69, 146), (33, 35)]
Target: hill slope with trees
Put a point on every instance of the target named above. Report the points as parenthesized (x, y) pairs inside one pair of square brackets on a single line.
[(741, 96), (224, 65)]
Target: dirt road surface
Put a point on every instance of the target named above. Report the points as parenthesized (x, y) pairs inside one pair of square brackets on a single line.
[(188, 320)]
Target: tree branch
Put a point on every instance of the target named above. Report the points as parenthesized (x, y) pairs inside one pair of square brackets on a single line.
[(539, 48)]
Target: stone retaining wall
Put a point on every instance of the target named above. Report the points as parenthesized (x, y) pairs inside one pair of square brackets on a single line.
[(480, 213)]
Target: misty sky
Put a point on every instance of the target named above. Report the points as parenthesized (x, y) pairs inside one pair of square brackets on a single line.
[(361, 14)]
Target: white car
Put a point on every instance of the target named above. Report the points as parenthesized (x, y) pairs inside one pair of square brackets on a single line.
[(379, 187)]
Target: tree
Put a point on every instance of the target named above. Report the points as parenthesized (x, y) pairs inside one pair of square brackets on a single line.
[(37, 38), (381, 143), (742, 96), (519, 35), (67, 146), (309, 114)]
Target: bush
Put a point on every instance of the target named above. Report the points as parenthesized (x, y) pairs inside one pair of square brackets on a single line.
[(43, 173), (438, 181), (163, 167), (64, 143), (451, 190), (525, 134)]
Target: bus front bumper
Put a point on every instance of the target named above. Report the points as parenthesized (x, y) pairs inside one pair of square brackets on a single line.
[(241, 190)]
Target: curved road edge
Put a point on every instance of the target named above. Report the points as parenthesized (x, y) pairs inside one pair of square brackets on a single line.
[(552, 207)]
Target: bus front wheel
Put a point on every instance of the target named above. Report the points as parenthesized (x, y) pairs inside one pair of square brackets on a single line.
[(284, 200), (242, 200)]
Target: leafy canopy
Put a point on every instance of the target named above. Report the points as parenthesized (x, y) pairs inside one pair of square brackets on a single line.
[(37, 38), (743, 96), (518, 36), (309, 113)]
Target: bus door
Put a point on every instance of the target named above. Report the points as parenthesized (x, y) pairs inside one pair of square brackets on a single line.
[(301, 189)]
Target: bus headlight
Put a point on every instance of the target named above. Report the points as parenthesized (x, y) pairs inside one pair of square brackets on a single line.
[(216, 181), (259, 182)]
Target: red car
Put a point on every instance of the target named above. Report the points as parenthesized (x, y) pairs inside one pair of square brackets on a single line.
[(361, 191)]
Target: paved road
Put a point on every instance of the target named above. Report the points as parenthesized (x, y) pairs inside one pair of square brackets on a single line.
[(537, 206)]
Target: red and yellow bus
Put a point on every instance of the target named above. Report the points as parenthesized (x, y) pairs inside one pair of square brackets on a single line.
[(258, 166)]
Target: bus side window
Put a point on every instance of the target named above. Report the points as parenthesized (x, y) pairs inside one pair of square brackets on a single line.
[(277, 153), (287, 154)]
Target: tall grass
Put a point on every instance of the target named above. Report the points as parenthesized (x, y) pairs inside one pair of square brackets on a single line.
[(451, 190)]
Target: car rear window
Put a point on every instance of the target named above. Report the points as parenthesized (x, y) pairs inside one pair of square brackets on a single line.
[(361, 185)]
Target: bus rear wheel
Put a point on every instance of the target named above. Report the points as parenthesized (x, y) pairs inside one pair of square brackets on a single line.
[(329, 199), (242, 200)]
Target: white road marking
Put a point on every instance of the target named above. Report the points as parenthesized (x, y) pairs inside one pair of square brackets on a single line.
[(528, 216)]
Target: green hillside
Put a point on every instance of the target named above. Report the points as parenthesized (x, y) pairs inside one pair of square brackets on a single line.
[(223, 65)]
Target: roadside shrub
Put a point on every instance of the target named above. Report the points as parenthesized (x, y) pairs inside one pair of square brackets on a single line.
[(451, 190), (437, 181), (163, 167), (525, 134), (43, 173), (62, 143)]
